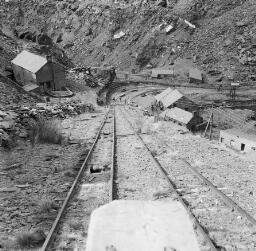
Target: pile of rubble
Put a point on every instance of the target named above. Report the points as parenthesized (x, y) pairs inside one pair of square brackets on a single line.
[(60, 110), (16, 120), (83, 74)]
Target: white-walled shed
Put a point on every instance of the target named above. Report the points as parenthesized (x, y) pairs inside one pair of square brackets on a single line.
[(238, 140)]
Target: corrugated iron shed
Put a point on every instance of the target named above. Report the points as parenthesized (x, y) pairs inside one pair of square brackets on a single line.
[(178, 115), (29, 61), (171, 98), (161, 95)]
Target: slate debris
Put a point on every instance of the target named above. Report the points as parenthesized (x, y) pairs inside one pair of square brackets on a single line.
[(16, 120)]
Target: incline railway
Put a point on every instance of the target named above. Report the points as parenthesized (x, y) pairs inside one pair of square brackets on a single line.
[(121, 166), (73, 207), (221, 217)]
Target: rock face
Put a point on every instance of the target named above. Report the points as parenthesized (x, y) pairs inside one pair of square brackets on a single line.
[(218, 34)]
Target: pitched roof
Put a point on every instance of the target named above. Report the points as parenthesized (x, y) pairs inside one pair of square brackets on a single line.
[(161, 95), (29, 61), (178, 115), (195, 74), (241, 134), (171, 98)]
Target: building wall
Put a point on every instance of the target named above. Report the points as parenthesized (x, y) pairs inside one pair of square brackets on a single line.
[(191, 125), (23, 76), (46, 74), (195, 80), (236, 142), (59, 76)]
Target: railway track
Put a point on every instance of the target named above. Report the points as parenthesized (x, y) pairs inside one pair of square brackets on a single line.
[(120, 165), (205, 241), (214, 212), (95, 179)]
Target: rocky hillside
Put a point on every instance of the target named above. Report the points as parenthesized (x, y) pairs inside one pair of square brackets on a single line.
[(220, 36)]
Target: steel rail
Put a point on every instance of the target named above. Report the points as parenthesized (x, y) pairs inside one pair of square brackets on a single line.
[(177, 195), (113, 165), (56, 223), (229, 202)]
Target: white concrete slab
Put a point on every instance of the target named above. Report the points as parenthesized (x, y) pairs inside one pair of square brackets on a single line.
[(141, 226)]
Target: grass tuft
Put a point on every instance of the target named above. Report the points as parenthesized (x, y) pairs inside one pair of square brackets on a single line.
[(8, 143), (30, 239), (45, 131), (46, 206)]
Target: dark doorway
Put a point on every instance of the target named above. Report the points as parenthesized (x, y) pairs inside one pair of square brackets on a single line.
[(48, 85), (221, 140), (242, 147)]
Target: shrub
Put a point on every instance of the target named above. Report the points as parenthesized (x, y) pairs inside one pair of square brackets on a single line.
[(45, 131), (46, 206), (8, 143), (30, 239)]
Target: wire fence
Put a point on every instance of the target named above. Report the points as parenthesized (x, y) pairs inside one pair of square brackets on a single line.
[(232, 116)]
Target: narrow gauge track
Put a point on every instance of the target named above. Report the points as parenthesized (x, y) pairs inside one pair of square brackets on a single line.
[(205, 241), (194, 190), (136, 177), (95, 174)]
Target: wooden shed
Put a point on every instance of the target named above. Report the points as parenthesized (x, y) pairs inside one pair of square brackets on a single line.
[(184, 118), (32, 69), (176, 99), (161, 95)]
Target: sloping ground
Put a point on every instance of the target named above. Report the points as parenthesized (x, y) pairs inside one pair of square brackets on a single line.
[(226, 41), (10, 96), (229, 171)]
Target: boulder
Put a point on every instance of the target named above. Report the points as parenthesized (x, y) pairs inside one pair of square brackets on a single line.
[(59, 38), (3, 114), (74, 6), (44, 39), (3, 135), (23, 134), (162, 3), (28, 35), (68, 45), (241, 23), (68, 39), (7, 125)]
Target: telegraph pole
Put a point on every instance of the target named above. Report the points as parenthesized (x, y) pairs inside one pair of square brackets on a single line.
[(209, 123)]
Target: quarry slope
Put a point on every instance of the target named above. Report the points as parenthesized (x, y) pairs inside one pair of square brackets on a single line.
[(131, 34)]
